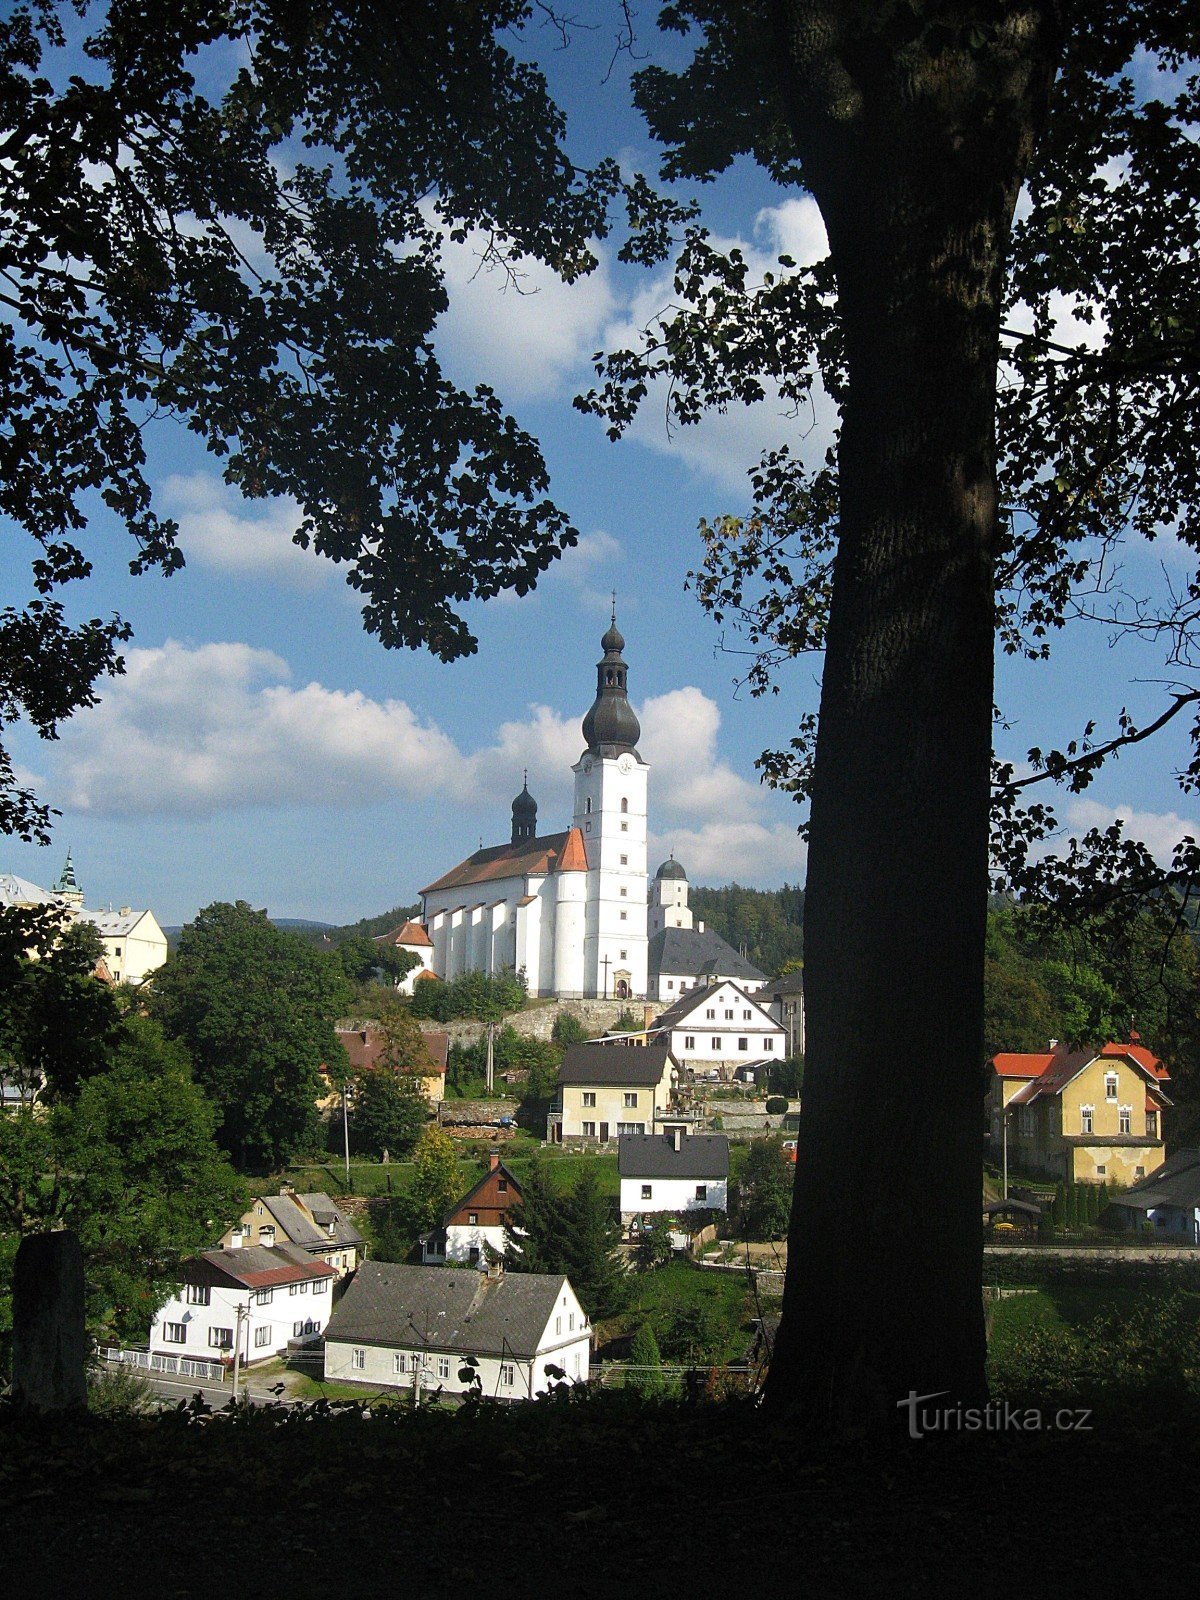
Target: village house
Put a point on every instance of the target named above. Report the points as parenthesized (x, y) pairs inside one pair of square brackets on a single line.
[(475, 1224), (718, 1030), (402, 1327), (672, 1172), (259, 1297), (1166, 1201), (1082, 1116), (309, 1222), (605, 1090), (365, 1046)]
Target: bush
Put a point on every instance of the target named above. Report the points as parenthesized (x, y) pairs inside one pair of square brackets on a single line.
[(644, 1352), (776, 1105), (119, 1392)]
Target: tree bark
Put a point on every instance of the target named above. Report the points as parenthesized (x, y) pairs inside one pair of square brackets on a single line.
[(915, 148)]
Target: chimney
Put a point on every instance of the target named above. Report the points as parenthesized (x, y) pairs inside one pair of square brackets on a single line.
[(1054, 1044), (677, 1136), (287, 1188), (699, 927), (493, 1158)]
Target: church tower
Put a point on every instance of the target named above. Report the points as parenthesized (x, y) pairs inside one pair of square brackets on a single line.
[(610, 813)]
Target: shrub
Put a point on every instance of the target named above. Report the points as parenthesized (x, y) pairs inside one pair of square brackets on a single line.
[(777, 1105), (119, 1392), (644, 1352)]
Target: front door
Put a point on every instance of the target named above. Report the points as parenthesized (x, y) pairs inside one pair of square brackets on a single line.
[(604, 1133)]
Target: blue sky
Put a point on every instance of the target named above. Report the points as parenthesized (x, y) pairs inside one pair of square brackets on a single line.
[(262, 746)]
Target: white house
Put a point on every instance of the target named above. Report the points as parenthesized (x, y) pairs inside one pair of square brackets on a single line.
[(719, 1028), (673, 1172), (684, 954), (264, 1295), (474, 1225), (134, 944), (568, 909), (401, 1327)]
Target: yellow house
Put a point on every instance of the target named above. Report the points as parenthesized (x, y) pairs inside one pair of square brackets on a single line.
[(310, 1223), (1084, 1116), (605, 1090)]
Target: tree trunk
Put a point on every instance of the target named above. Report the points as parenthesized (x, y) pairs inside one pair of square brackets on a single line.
[(915, 152)]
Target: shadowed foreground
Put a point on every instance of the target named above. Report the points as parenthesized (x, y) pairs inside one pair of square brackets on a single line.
[(602, 1498)]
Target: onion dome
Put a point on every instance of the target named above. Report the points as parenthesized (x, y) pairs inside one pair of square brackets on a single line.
[(524, 814), (611, 727), (671, 869)]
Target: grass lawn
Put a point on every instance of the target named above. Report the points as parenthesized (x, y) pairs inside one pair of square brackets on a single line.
[(719, 1305)]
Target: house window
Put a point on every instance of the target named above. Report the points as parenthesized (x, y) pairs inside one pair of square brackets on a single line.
[(263, 1297), (588, 1129), (443, 1368), (502, 1185), (743, 1044), (701, 1191), (630, 1127), (358, 1359), (198, 1294), (557, 1326), (589, 1097), (266, 1234), (321, 1285), (716, 1042), (1125, 1119), (508, 1374), (647, 1191), (1152, 1124), (710, 1016), (631, 1101), (689, 1041), (293, 1288), (175, 1333), (746, 1015), (729, 1016), (473, 1218), (1101, 1170), (768, 1044), (570, 1322), (1110, 1086), (398, 1362), (1087, 1116), (262, 1336), (220, 1338), (1139, 1172), (670, 985)]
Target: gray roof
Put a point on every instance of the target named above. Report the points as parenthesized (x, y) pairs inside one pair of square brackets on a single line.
[(789, 983), (653, 1155), (16, 891), (435, 1308), (114, 924), (640, 1066), (253, 1266), (677, 1014), (1175, 1183), (301, 1231), (684, 951), (671, 869)]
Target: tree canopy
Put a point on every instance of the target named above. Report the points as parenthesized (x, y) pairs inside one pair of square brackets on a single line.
[(255, 1008)]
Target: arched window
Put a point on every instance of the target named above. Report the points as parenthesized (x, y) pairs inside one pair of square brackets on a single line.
[(624, 805)]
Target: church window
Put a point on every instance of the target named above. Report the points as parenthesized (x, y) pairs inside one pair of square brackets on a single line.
[(624, 916), (624, 861), (587, 805), (624, 804), (624, 955), (587, 827), (624, 891), (624, 827)]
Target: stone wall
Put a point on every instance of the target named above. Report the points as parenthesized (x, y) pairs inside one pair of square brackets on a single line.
[(538, 1022)]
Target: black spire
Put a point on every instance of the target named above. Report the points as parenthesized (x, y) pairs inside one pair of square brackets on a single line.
[(524, 814), (611, 727)]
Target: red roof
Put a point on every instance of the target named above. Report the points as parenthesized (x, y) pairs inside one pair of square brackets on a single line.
[(1138, 1052), (525, 858), (1049, 1072), (365, 1046), (1020, 1064), (407, 933), (574, 855)]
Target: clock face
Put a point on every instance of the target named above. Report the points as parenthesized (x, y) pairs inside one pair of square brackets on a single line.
[(625, 764)]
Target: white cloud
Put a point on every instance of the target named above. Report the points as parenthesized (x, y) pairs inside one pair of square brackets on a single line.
[(1159, 831), (750, 853), (196, 731), (524, 331), (217, 530)]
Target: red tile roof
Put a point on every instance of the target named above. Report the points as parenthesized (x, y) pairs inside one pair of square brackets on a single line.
[(525, 858), (574, 855), (407, 933), (1050, 1072), (1021, 1064), (1138, 1052), (365, 1047)]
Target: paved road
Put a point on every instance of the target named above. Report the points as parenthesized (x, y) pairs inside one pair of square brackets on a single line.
[(173, 1388)]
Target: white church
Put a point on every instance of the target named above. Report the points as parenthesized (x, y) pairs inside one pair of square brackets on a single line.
[(571, 909)]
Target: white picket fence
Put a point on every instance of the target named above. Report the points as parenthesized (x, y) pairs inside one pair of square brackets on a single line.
[(185, 1366)]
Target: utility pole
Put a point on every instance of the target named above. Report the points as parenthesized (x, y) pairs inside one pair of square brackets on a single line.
[(491, 1057), (346, 1136), (1004, 1124), (237, 1347)]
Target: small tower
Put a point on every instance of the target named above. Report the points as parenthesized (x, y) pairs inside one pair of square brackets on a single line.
[(524, 814), (669, 898), (67, 889)]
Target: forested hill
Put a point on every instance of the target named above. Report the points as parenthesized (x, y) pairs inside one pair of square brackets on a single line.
[(366, 927), (765, 925)]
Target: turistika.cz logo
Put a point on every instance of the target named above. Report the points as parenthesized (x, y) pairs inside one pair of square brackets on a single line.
[(998, 1416)]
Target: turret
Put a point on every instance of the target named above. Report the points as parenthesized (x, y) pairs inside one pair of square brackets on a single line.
[(611, 726), (524, 814)]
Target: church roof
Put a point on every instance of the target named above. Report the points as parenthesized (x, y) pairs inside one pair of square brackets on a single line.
[(684, 952), (524, 858), (407, 933), (671, 869)]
